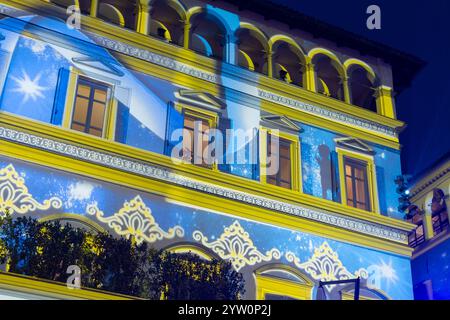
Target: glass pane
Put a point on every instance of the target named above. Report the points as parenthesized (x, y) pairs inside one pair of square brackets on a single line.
[(84, 90), (348, 170), (81, 109), (78, 127), (285, 169), (349, 187), (98, 115), (359, 173), (100, 95), (95, 132), (360, 191)]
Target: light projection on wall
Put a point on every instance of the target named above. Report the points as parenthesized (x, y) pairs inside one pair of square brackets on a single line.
[(236, 245), (135, 220), (15, 197), (246, 244)]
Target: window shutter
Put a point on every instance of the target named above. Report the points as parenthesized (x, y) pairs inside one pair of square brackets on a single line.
[(255, 166), (123, 97), (335, 176), (60, 97), (225, 124), (175, 120)]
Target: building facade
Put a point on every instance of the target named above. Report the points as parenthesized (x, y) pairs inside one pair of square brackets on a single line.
[(428, 210), (90, 121)]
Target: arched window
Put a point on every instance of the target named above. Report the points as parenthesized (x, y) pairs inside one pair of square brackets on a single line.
[(361, 85), (85, 5), (251, 50), (288, 63), (281, 282), (328, 78), (75, 220), (121, 13), (166, 23), (207, 36)]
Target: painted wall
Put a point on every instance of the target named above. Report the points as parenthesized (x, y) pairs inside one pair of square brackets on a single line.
[(247, 244), (431, 273), (35, 86)]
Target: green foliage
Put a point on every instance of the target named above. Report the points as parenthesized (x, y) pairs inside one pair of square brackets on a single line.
[(189, 277), (47, 249)]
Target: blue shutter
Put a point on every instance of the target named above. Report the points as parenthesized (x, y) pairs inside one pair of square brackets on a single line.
[(335, 177), (381, 184), (60, 97), (255, 166), (225, 124), (175, 120)]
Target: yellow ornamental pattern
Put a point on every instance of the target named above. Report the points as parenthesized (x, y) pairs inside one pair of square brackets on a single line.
[(135, 221), (236, 246), (15, 197), (325, 265)]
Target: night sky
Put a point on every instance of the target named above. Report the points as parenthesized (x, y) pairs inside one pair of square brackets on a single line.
[(418, 28)]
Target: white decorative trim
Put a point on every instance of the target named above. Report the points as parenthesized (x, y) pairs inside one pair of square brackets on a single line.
[(172, 64), (135, 220), (156, 172), (235, 245)]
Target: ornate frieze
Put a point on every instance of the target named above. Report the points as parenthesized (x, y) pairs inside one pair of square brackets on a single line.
[(135, 220), (325, 265), (15, 197), (236, 246), (160, 173)]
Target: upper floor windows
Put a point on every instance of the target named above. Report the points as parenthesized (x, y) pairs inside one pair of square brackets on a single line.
[(89, 109), (208, 36), (356, 184), (166, 23), (195, 139), (362, 88), (121, 13), (280, 56), (288, 62), (328, 79), (252, 50), (280, 151)]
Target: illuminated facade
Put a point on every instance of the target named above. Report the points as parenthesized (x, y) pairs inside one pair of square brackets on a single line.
[(428, 210), (87, 120)]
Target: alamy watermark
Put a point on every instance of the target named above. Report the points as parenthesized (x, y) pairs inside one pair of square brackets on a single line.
[(74, 278), (374, 20), (230, 147)]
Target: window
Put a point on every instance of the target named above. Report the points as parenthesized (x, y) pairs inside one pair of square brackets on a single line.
[(283, 176), (417, 236), (440, 222), (193, 146), (89, 111), (356, 184)]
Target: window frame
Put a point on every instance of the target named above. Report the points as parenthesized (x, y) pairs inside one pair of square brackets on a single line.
[(296, 183), (110, 104), (268, 284), (370, 174), (211, 117)]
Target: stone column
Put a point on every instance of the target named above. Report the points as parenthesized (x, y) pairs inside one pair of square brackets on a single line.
[(143, 18), (385, 101)]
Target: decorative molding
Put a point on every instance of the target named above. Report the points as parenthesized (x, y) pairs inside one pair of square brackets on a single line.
[(325, 265), (15, 197), (160, 173), (431, 181), (135, 220), (236, 246), (172, 64)]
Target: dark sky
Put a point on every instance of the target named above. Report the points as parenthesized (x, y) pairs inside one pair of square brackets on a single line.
[(421, 28)]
